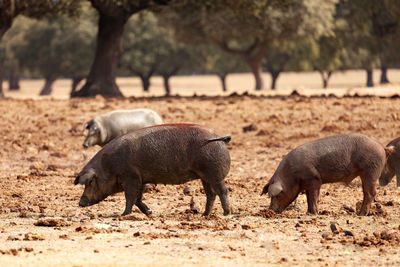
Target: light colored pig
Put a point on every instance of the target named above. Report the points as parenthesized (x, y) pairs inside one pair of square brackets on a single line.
[(106, 127)]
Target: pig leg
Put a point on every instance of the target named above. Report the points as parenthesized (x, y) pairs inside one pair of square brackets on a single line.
[(131, 194), (210, 197), (369, 190), (312, 193), (398, 177), (222, 192), (142, 207)]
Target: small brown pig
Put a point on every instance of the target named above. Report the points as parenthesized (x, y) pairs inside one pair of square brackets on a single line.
[(166, 154), (392, 165), (339, 158)]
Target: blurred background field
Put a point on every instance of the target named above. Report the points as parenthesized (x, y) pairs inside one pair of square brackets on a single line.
[(307, 83)]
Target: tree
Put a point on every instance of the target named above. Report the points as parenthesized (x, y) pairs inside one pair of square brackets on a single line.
[(113, 15), (248, 27), (216, 61), (150, 48), (144, 43), (373, 27), (56, 47), (9, 9)]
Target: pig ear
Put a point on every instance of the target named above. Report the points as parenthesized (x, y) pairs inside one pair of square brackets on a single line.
[(87, 125), (85, 178), (389, 150), (265, 189), (274, 189)]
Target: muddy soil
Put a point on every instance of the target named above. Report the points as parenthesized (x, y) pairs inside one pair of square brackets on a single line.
[(41, 223)]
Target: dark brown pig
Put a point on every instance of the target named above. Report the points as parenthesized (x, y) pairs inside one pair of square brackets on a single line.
[(166, 154), (339, 158), (392, 165)]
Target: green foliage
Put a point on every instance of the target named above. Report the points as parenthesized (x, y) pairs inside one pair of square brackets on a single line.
[(149, 47), (51, 47)]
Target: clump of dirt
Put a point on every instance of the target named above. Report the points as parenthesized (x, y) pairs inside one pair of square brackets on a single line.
[(95, 230), (15, 251), (51, 222), (388, 237), (162, 235), (33, 237), (133, 217), (266, 213)]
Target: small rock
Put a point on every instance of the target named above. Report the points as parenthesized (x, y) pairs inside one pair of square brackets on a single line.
[(150, 187), (194, 207), (249, 128), (188, 191), (334, 228), (348, 208), (348, 233), (12, 238)]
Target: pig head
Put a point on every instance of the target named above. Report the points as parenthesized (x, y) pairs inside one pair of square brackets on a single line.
[(97, 186), (392, 166), (96, 134), (282, 192)]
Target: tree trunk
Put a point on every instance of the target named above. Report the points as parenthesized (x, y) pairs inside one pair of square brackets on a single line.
[(13, 80), (253, 57), (3, 28), (274, 77), (145, 82), (75, 81), (48, 85), (255, 66), (384, 78), (166, 84), (325, 77), (222, 77), (370, 81), (101, 79)]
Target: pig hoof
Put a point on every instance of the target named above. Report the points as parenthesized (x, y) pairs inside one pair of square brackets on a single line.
[(148, 213), (226, 212), (126, 213), (205, 214)]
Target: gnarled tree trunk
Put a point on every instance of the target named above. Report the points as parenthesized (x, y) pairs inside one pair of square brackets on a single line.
[(145, 82), (222, 76), (166, 76), (101, 79), (75, 81), (48, 85), (13, 80), (274, 78), (253, 57), (384, 77), (256, 69), (325, 77), (370, 81)]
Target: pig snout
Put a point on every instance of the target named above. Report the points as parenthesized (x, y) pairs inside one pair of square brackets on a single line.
[(84, 202), (88, 142), (275, 206)]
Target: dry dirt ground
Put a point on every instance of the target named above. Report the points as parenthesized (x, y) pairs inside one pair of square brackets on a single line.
[(41, 152)]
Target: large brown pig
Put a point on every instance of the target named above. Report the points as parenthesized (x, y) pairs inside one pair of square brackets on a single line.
[(338, 158), (392, 165), (166, 154)]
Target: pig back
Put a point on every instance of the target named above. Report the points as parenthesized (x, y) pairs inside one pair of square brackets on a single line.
[(170, 154), (120, 122), (338, 158)]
